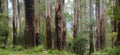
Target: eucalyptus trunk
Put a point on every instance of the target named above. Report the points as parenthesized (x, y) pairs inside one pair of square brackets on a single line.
[(58, 24), (117, 43), (48, 39), (14, 23), (30, 25), (91, 28)]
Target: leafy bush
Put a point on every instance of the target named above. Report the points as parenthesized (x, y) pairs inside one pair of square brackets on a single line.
[(79, 46), (21, 37), (108, 51), (113, 51), (36, 49)]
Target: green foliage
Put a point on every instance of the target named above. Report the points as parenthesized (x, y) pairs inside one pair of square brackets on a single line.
[(113, 51), (36, 49), (4, 28), (3, 52), (57, 52), (109, 51), (39, 50), (68, 16), (116, 12), (79, 45), (113, 11), (21, 37)]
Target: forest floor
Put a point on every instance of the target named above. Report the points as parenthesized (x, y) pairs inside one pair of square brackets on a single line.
[(35, 51)]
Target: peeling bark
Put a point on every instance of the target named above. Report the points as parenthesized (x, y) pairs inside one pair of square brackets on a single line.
[(58, 24), (48, 39)]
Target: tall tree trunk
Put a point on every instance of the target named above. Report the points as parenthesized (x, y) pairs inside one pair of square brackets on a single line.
[(30, 24), (6, 23), (64, 35), (91, 28), (114, 29), (0, 6), (113, 24), (118, 36), (48, 39), (19, 16), (14, 23), (98, 25), (63, 44), (58, 24), (117, 43), (37, 3), (103, 25), (76, 18)]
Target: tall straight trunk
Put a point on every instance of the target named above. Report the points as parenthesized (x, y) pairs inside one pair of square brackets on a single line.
[(91, 27), (76, 18), (63, 44), (98, 25), (19, 16), (117, 43), (30, 25), (113, 24), (0, 6), (6, 23), (14, 23), (114, 29), (58, 24), (37, 21), (64, 35), (118, 36), (48, 39), (103, 25)]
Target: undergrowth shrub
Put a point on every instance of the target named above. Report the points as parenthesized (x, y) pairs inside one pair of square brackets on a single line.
[(79, 45)]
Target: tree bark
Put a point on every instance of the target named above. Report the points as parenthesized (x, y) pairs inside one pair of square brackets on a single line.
[(37, 21), (103, 25), (58, 24), (30, 24), (48, 39), (64, 35), (1, 6), (76, 18), (6, 23), (117, 43), (14, 23), (91, 28), (97, 25), (19, 16)]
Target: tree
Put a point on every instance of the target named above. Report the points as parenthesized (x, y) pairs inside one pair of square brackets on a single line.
[(91, 27), (76, 18), (0, 6), (19, 16), (58, 24), (64, 35), (6, 24), (48, 39), (97, 25), (30, 24), (103, 25), (117, 43), (113, 23), (14, 23), (4, 21), (37, 14)]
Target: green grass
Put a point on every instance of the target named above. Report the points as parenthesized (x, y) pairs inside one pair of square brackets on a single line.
[(35, 51)]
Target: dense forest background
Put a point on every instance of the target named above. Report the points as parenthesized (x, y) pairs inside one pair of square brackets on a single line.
[(59, 27)]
